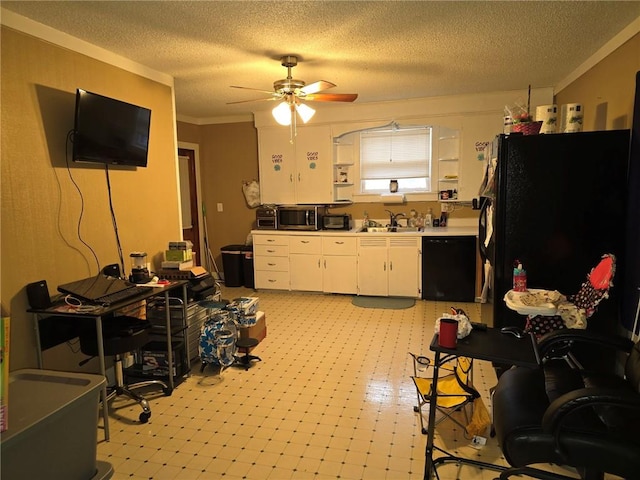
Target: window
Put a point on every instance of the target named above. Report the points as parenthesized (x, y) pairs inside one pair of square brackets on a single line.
[(403, 154)]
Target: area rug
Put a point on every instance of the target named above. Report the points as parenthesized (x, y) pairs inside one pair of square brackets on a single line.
[(383, 302)]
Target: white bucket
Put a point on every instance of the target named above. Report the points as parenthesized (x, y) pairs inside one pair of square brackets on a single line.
[(548, 115), (572, 116)]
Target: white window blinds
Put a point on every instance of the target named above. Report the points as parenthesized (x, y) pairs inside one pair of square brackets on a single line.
[(402, 154)]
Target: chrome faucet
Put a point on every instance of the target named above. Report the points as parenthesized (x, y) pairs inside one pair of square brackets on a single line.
[(393, 217)]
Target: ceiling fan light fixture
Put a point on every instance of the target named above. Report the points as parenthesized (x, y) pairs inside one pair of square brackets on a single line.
[(305, 112), (282, 114)]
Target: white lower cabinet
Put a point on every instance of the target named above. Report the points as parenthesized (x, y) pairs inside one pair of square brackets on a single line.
[(373, 276), (271, 261), (404, 266), (389, 266), (339, 265), (305, 257), (377, 265)]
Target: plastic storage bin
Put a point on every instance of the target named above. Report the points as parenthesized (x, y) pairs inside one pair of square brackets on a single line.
[(232, 258), (53, 427)]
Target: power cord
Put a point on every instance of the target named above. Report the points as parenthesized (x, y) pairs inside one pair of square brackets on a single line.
[(77, 305), (70, 140)]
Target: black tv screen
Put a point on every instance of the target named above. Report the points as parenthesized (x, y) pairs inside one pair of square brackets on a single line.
[(110, 131)]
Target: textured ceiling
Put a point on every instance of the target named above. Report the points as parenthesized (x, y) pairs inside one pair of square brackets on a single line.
[(383, 50)]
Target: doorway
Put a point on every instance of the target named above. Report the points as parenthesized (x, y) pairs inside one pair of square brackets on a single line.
[(189, 200)]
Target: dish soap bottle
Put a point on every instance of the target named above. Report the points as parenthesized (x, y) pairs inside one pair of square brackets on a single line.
[(365, 220)]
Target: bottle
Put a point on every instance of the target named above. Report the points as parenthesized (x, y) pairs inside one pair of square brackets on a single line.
[(519, 278), (365, 220), (412, 221), (428, 219)]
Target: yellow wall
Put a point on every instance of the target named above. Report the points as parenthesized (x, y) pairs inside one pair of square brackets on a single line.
[(228, 156), (606, 91), (41, 207)]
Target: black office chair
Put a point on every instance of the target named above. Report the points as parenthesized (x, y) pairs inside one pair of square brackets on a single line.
[(565, 415), (121, 335)]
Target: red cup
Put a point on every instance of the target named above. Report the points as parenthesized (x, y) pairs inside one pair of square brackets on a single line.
[(448, 335)]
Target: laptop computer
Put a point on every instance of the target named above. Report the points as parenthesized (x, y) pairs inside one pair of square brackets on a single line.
[(100, 289)]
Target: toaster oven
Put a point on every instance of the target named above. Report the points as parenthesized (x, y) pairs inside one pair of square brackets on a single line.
[(336, 222)]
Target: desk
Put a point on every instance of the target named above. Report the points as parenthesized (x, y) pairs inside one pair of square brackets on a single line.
[(58, 310), (490, 345)]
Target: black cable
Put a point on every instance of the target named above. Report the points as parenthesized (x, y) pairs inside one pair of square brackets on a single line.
[(114, 221), (66, 158)]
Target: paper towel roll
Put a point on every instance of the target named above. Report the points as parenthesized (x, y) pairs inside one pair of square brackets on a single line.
[(571, 118), (548, 115)]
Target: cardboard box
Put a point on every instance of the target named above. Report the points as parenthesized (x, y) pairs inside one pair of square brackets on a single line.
[(4, 373), (257, 331)]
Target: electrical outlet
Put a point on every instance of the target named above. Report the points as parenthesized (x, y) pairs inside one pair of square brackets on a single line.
[(219, 206)]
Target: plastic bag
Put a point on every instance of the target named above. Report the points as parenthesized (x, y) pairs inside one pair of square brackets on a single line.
[(464, 324), (251, 190)]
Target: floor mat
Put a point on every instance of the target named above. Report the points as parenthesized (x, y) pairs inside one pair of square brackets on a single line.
[(383, 302)]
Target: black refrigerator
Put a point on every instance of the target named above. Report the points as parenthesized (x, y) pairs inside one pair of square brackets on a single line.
[(555, 203)]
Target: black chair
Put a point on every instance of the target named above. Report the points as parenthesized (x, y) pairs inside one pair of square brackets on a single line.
[(565, 415), (121, 335)]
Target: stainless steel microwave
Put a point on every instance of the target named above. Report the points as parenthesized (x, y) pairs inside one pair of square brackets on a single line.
[(300, 217)]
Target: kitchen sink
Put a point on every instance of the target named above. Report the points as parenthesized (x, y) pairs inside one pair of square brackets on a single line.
[(389, 229)]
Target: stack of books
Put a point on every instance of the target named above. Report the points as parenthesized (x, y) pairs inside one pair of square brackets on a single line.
[(179, 256)]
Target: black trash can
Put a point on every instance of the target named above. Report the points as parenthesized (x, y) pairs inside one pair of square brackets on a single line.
[(247, 264), (232, 256)]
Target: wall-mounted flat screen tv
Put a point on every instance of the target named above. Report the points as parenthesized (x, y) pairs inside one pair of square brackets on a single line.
[(110, 131)]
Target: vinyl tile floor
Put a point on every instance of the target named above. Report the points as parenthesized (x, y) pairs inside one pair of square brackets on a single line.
[(332, 398)]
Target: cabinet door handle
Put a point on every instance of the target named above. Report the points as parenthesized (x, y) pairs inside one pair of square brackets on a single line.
[(390, 266), (385, 266), (291, 177), (270, 240), (339, 243), (271, 251), (325, 264), (304, 241), (271, 264), (271, 280), (319, 263), (298, 177)]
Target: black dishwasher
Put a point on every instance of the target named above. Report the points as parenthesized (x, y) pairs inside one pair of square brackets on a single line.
[(449, 268)]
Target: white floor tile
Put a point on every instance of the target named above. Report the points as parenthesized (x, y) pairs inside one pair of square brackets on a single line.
[(332, 398)]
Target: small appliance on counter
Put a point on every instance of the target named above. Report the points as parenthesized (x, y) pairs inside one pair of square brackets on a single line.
[(335, 221), (267, 217), (300, 217), (139, 269)]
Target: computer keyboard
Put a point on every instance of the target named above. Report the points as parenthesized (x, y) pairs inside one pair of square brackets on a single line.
[(118, 296)]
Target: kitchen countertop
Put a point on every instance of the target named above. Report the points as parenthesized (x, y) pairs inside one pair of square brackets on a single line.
[(453, 231)]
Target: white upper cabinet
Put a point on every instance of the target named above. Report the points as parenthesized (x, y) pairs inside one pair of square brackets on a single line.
[(296, 173)]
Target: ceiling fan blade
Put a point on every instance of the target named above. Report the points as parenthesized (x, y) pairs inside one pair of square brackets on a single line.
[(331, 97), (270, 92), (275, 97), (316, 87)]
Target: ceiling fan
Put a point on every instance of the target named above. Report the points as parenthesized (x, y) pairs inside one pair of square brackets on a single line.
[(292, 92)]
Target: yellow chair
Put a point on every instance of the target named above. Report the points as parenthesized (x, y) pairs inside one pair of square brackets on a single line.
[(454, 388)]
